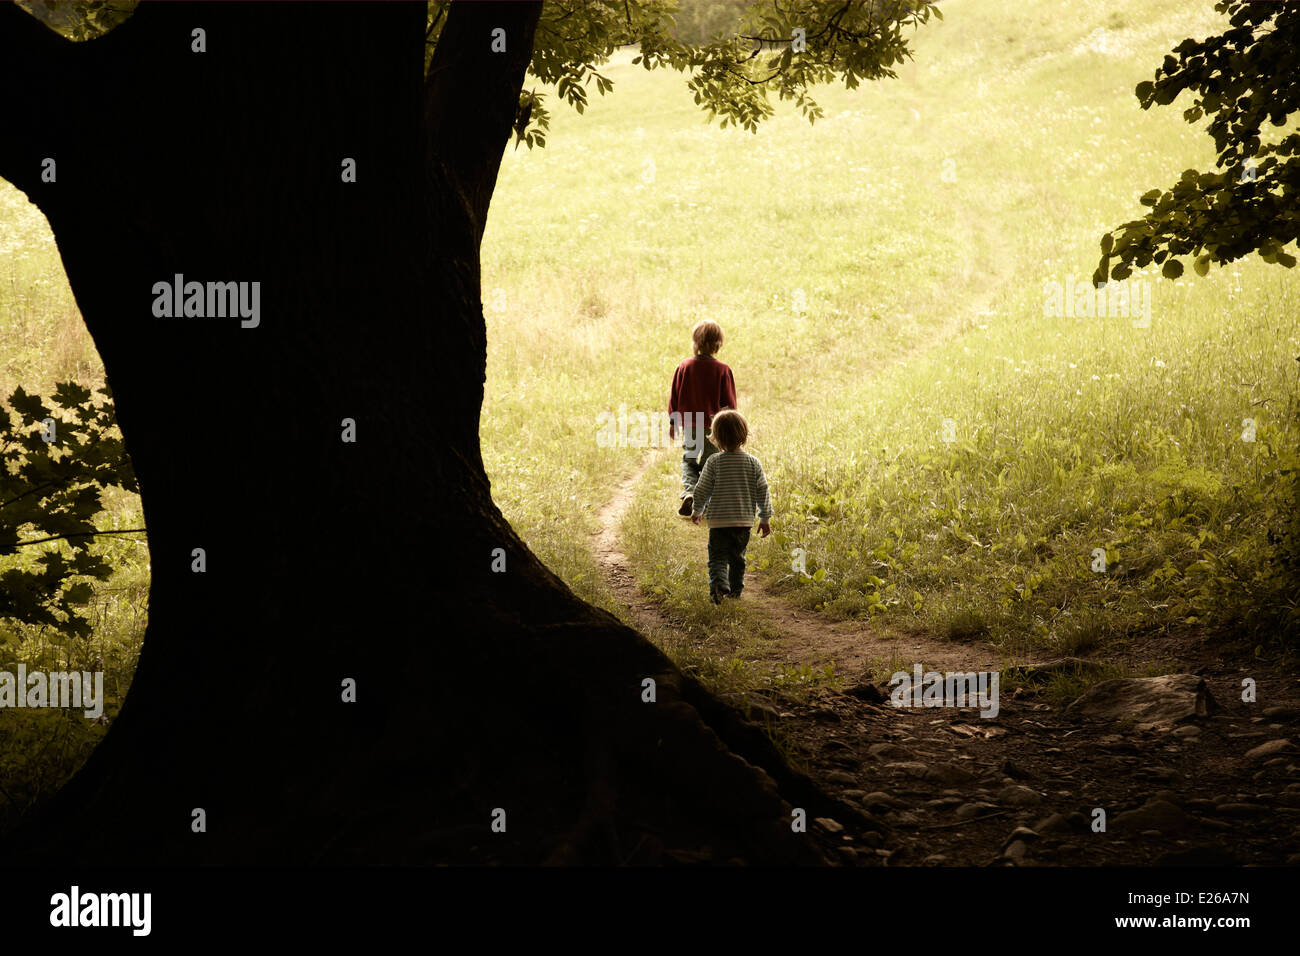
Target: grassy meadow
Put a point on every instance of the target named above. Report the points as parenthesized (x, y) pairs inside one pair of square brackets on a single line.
[(877, 274), (949, 455)]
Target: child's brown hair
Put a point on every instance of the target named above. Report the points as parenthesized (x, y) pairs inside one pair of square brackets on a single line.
[(729, 429), (707, 336)]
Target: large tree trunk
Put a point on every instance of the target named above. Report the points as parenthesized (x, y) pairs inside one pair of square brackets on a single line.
[(328, 560)]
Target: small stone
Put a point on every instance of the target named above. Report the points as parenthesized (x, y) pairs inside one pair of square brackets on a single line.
[(903, 819), (868, 693), (950, 775), (830, 824), (1272, 748), (971, 811), (850, 855), (935, 859), (944, 803), (1159, 815), (1165, 774), (1018, 796), (1013, 770), (913, 768), (1282, 712), (1056, 823), (1021, 833), (878, 799), (1240, 809), (872, 839), (888, 751), (1154, 701), (1187, 730), (1016, 851), (839, 776)]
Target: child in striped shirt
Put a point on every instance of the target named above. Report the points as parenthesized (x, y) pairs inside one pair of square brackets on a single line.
[(732, 487)]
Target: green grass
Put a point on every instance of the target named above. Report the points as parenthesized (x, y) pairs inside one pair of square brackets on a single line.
[(921, 221), (875, 274), (43, 341)]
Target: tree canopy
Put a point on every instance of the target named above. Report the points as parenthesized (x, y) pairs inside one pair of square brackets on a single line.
[(1242, 81)]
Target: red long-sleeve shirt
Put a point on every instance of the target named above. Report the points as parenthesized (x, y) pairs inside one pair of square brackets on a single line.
[(700, 384)]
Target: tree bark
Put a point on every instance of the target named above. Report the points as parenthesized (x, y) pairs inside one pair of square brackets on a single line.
[(328, 560)]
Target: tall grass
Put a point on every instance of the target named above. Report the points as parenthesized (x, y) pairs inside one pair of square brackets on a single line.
[(879, 273)]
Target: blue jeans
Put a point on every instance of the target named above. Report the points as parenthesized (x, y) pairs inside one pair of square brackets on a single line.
[(727, 559), (696, 449)]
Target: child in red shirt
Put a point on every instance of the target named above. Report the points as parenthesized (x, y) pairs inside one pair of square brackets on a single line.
[(702, 387)]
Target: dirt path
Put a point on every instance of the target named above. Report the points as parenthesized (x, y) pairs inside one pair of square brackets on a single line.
[(946, 787), (805, 637), (647, 614)]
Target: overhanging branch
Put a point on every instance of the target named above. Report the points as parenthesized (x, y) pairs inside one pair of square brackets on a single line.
[(38, 97), (471, 97)]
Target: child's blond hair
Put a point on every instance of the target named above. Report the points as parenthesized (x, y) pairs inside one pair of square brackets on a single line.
[(729, 429), (707, 336)]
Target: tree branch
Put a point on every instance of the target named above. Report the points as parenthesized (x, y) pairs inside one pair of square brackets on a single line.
[(471, 98), (78, 534), (39, 98)]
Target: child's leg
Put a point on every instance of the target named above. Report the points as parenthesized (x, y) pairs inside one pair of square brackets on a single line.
[(719, 555), (739, 542), (690, 475), (692, 459)]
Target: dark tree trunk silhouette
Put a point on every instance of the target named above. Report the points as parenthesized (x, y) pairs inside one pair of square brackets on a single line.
[(327, 560)]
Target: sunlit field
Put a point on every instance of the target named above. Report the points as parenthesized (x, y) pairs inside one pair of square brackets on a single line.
[(952, 448), (950, 451)]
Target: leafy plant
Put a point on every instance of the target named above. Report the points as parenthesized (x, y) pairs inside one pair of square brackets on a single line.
[(1240, 80), (55, 461)]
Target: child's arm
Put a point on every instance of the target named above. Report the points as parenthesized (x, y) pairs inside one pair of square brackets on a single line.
[(704, 488), (764, 500), (674, 402), (727, 389)]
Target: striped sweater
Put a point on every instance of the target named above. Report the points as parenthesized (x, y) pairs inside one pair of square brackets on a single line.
[(731, 488)]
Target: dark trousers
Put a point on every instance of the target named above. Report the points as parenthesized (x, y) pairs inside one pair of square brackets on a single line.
[(727, 559)]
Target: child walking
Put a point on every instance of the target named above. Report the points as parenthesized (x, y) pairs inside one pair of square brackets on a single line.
[(732, 487), (702, 387)]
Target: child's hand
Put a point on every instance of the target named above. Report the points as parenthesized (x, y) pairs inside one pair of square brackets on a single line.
[(695, 519), (764, 529)]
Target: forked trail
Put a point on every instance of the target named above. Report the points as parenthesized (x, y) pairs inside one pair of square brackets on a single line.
[(805, 637), (951, 788)]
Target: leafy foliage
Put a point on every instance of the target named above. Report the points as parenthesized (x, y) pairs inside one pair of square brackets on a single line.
[(80, 19), (1240, 79), (51, 491), (732, 75)]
